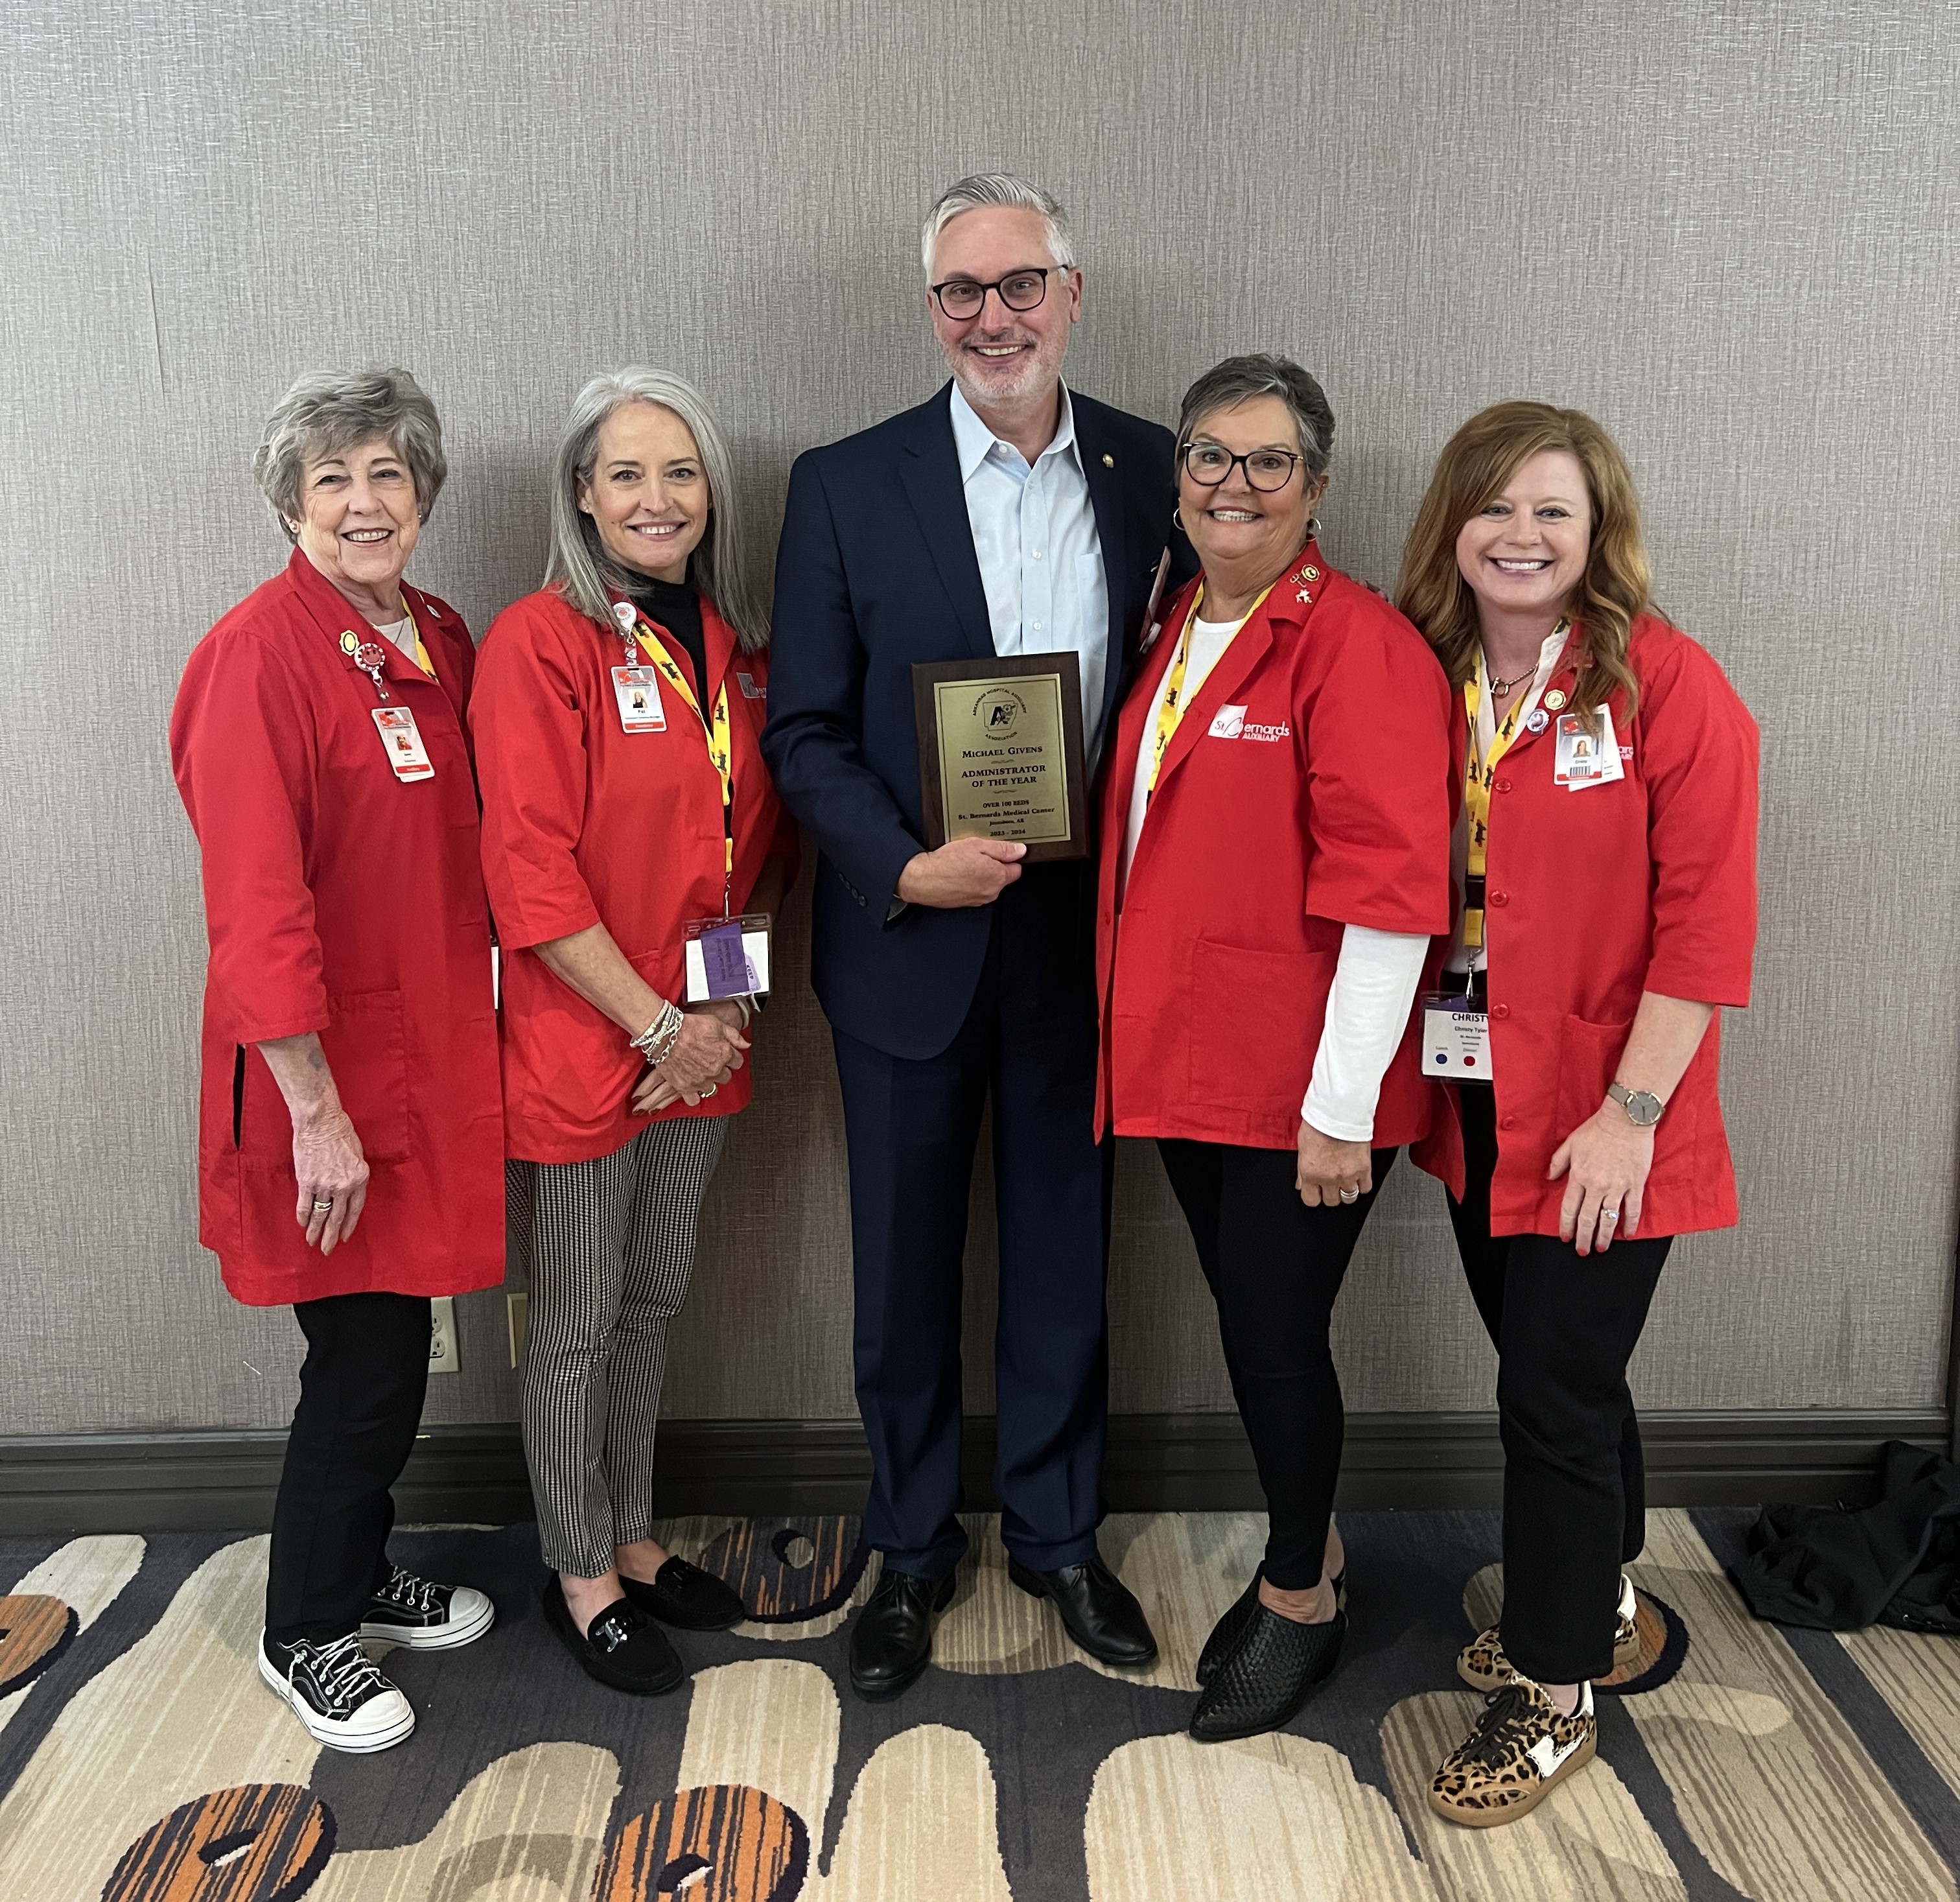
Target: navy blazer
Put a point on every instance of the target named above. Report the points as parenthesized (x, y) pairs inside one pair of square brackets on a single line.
[(875, 570)]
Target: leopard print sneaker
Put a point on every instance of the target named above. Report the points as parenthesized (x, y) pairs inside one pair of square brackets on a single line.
[(1482, 1665), (1520, 1748)]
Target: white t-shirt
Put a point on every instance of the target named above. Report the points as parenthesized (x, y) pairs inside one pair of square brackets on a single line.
[(1209, 640), (402, 633)]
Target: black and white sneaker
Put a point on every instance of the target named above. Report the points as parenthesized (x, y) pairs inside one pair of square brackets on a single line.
[(411, 1611), (338, 1692)]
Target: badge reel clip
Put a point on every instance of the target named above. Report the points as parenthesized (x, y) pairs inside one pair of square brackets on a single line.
[(636, 686), (1456, 1034), (395, 722)]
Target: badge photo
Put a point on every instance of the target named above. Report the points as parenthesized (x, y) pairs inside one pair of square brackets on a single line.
[(402, 743), (1582, 757), (638, 691)]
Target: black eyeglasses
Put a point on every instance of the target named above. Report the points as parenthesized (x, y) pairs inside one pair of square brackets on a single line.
[(961, 298), (1267, 470)]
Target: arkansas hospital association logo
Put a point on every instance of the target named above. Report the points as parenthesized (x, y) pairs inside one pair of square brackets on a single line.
[(1230, 723)]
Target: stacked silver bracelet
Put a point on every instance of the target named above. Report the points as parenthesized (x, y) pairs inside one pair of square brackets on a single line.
[(656, 1041)]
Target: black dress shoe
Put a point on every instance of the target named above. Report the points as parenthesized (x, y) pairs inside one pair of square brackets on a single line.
[(621, 1647), (1097, 1610), (1266, 1679), (688, 1598), (891, 1643), (1227, 1633)]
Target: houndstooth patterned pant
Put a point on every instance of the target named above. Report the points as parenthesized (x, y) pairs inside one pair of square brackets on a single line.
[(611, 1247)]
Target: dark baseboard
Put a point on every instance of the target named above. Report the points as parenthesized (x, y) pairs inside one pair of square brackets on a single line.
[(224, 1481)]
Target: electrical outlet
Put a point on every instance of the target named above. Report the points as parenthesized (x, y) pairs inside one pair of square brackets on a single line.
[(443, 1356), (517, 1310)]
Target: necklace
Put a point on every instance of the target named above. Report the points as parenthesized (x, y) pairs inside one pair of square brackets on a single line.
[(1500, 688)]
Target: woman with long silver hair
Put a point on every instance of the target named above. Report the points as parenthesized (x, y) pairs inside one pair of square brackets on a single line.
[(633, 846)]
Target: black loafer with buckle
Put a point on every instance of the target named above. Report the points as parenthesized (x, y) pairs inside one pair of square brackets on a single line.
[(621, 1647), (891, 1643), (688, 1598)]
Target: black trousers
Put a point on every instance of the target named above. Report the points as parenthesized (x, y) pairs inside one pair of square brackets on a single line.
[(912, 1125), (1565, 1325), (361, 1400), (1275, 1266)]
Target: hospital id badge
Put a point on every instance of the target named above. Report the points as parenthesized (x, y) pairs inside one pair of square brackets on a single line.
[(1456, 1037), (637, 690), (727, 957), (402, 743), (1584, 758)]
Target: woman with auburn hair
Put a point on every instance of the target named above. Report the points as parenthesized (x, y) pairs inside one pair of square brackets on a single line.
[(1604, 859)]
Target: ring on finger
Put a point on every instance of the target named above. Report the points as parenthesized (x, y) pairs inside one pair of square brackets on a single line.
[(320, 1208), (1350, 1195), (1609, 1214), (711, 1088)]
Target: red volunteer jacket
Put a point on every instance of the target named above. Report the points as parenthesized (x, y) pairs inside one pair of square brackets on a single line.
[(341, 899), (584, 821), (1647, 883), (1307, 788)]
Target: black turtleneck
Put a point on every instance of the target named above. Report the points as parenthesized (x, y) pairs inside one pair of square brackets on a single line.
[(674, 607)]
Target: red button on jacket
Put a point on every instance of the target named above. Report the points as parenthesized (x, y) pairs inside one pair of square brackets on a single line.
[(585, 822), (1321, 799), (341, 899), (1647, 883)]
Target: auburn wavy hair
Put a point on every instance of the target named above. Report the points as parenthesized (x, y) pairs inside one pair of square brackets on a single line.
[(1476, 466)]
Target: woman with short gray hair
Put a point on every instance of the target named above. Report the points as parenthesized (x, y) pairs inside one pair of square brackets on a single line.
[(1275, 859), (634, 851), (349, 1104)]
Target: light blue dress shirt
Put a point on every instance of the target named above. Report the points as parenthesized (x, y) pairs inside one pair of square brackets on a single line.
[(1041, 560)]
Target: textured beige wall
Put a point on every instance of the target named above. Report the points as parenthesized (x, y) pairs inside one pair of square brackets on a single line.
[(1729, 231)]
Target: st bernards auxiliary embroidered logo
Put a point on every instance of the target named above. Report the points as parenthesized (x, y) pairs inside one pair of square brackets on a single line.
[(1230, 723)]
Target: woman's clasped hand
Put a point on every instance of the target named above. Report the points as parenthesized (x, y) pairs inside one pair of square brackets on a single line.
[(705, 1054)]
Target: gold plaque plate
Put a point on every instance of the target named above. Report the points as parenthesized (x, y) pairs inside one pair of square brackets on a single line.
[(1001, 751)]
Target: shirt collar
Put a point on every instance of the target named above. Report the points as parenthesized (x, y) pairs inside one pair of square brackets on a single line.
[(974, 441)]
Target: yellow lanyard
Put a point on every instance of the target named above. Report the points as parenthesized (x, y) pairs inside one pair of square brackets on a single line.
[(1480, 770), (716, 734), (422, 660), (1170, 709)]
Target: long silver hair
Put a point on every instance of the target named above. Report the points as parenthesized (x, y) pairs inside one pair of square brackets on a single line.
[(724, 566)]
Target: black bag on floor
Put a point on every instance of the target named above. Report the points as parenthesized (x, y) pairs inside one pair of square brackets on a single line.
[(1896, 1562)]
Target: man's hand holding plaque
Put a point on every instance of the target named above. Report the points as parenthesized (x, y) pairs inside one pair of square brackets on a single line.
[(1000, 766), (962, 872)]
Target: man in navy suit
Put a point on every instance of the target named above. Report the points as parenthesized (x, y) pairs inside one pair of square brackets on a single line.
[(1008, 515)]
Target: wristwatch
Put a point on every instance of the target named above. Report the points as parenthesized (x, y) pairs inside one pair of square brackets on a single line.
[(1641, 1106)]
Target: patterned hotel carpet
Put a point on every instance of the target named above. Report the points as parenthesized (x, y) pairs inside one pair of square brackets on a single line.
[(140, 1757)]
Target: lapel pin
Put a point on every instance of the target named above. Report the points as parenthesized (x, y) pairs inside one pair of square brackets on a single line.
[(1305, 596), (1309, 574), (349, 642), (1108, 462), (1555, 699), (1538, 721)]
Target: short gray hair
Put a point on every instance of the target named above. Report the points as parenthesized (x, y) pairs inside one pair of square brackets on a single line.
[(1239, 379), (724, 564), (330, 412), (980, 189)]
